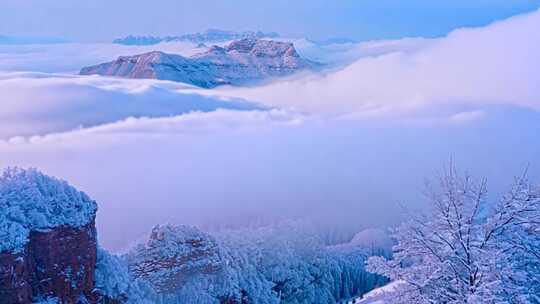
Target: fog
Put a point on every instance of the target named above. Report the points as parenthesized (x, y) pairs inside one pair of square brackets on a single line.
[(38, 103), (344, 148), (496, 64), (229, 168)]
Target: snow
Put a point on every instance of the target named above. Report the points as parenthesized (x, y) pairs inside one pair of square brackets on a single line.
[(380, 295), (47, 301), (467, 249), (113, 280), (275, 264), (171, 241), (367, 238), (31, 200), (239, 62), (171, 254)]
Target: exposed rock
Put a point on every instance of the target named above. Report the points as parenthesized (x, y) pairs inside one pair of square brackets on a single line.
[(58, 263), (61, 262), (52, 252), (240, 62), (158, 65), (173, 254), (14, 279)]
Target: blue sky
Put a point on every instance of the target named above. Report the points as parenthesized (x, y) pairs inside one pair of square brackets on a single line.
[(102, 20)]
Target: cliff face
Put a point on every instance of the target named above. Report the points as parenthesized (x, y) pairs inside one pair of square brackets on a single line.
[(172, 255), (55, 264), (240, 62), (62, 262), (14, 279), (48, 244)]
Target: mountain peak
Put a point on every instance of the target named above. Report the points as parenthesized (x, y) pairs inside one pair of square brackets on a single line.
[(242, 45), (240, 62)]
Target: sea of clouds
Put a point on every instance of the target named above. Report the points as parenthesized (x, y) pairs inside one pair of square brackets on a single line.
[(346, 145)]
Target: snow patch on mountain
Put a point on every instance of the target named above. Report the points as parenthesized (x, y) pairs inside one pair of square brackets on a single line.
[(239, 62)]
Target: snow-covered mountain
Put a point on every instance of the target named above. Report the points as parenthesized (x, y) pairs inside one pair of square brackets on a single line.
[(240, 62), (211, 35)]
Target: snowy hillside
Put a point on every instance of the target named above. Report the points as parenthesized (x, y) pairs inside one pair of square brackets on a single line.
[(239, 62), (277, 264)]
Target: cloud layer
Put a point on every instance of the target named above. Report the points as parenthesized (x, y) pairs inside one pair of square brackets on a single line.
[(492, 65), (71, 57), (37, 104), (231, 168), (344, 147)]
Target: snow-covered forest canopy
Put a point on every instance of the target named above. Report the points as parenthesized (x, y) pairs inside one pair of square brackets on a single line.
[(281, 264), (467, 249)]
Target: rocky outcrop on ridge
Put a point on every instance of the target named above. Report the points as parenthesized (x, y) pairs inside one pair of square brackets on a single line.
[(238, 63), (48, 243)]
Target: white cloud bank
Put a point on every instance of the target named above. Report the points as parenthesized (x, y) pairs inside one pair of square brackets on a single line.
[(71, 57), (496, 64), (233, 168), (37, 104)]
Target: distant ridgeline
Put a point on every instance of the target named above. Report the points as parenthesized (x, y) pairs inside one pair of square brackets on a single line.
[(49, 254), (211, 35)]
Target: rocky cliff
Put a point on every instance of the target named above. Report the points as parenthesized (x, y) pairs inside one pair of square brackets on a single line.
[(48, 245), (172, 255), (240, 62), (57, 264)]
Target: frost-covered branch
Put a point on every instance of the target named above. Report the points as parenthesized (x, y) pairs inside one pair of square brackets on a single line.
[(466, 250)]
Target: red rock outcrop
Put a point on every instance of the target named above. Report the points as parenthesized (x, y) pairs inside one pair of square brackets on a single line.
[(173, 254), (14, 279), (48, 242), (57, 263)]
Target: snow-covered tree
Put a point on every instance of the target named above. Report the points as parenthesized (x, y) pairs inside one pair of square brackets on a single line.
[(515, 226), (465, 252), (283, 263)]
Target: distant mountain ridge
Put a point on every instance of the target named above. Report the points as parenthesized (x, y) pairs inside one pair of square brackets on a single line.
[(211, 35), (240, 62)]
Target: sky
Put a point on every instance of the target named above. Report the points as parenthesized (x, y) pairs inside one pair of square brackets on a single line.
[(104, 20)]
